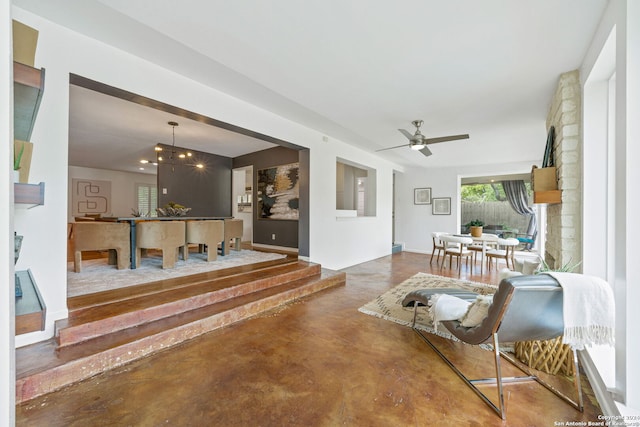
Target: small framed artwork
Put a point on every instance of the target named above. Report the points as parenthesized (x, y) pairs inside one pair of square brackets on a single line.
[(421, 196), (441, 206)]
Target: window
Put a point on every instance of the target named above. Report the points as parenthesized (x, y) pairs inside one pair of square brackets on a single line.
[(355, 188), (147, 199)]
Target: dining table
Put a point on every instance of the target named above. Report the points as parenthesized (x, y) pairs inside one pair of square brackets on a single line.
[(486, 239), (136, 219)]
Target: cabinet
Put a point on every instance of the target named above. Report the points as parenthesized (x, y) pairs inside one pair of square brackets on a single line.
[(30, 308)]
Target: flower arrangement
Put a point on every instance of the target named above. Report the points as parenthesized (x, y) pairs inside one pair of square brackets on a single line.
[(172, 209)]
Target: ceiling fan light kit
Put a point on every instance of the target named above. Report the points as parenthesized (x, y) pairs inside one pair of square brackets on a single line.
[(418, 142)]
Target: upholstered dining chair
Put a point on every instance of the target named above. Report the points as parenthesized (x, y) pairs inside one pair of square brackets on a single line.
[(208, 233), (168, 236), (524, 308), (505, 250), (233, 229), (98, 236), (438, 246), (456, 246)]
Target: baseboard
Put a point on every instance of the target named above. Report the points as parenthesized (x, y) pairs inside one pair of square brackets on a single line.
[(603, 395), (276, 248)]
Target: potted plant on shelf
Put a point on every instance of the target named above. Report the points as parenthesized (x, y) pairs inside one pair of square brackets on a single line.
[(17, 159), (475, 227)]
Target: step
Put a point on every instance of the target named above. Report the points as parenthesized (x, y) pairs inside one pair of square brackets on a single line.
[(43, 367), (111, 315)]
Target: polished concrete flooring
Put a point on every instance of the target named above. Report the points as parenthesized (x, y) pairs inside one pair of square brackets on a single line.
[(316, 362)]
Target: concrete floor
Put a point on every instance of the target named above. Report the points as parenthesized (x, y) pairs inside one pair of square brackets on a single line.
[(317, 362)]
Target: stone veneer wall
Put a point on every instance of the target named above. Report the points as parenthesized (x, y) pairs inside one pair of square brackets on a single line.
[(564, 221)]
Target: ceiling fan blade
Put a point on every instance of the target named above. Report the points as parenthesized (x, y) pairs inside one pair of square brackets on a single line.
[(406, 133), (425, 151), (445, 138), (391, 148)]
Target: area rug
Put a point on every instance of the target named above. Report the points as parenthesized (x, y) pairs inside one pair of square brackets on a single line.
[(388, 306), (98, 275)]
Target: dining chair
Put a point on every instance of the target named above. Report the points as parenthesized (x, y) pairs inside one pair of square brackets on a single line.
[(233, 229), (456, 246), (98, 236), (438, 246), (505, 250), (488, 241), (168, 236), (207, 233)]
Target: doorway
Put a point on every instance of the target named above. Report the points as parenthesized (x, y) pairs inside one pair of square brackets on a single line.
[(242, 196)]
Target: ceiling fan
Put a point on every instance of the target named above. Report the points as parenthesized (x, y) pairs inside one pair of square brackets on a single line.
[(419, 142)]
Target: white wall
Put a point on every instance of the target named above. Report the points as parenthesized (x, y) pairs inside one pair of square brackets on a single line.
[(7, 284), (612, 217), (333, 244), (123, 187), (415, 223)]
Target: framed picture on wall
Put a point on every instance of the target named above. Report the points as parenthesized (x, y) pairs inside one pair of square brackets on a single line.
[(441, 206), (422, 196), (278, 192)]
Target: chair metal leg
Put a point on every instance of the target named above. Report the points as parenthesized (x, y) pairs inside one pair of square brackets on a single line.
[(499, 380)]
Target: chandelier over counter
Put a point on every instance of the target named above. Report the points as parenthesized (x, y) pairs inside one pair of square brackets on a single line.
[(172, 156)]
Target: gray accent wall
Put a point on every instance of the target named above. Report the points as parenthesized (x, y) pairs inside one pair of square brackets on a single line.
[(288, 233), (206, 191)]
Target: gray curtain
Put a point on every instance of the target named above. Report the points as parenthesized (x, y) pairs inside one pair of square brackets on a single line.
[(516, 193)]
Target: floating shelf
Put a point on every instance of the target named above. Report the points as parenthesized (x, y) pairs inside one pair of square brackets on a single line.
[(28, 85), (547, 197), (29, 194), (30, 308)]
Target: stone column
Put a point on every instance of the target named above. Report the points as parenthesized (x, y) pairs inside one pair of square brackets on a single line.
[(564, 238)]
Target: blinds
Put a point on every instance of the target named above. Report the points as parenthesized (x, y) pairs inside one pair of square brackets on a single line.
[(147, 199)]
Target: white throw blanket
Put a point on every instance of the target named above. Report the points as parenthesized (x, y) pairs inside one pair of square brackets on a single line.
[(588, 308), (446, 307)]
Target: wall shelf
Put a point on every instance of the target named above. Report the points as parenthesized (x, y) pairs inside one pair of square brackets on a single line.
[(28, 85), (547, 197), (30, 308), (29, 194)]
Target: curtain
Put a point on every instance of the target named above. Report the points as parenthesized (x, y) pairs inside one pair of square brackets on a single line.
[(516, 194)]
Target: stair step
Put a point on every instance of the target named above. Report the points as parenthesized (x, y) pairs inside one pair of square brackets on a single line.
[(98, 298), (44, 367), (110, 316)]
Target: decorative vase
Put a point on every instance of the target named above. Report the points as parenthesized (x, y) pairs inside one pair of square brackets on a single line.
[(16, 175), (475, 231)]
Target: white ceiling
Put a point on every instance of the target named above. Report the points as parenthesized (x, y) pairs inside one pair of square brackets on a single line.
[(355, 70), (106, 132)]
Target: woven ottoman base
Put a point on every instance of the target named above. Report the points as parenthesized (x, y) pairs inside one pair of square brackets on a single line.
[(550, 356)]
